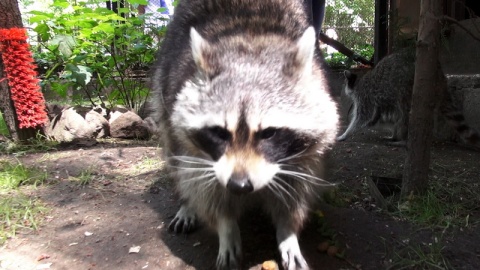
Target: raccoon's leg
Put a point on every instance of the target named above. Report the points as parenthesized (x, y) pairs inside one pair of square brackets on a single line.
[(375, 117), (184, 221), (230, 246), (399, 133), (292, 258)]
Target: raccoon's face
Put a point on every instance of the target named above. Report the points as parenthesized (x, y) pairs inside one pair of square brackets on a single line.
[(351, 80), (252, 117)]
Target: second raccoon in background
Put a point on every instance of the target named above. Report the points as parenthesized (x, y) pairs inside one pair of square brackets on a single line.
[(385, 94)]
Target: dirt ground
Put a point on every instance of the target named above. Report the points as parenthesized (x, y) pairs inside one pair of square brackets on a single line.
[(119, 219)]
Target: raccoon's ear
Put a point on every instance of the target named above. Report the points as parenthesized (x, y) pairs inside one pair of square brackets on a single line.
[(301, 62), (202, 54)]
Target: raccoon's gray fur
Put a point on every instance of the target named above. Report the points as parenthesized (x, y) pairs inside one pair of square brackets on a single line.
[(385, 93), (246, 118)]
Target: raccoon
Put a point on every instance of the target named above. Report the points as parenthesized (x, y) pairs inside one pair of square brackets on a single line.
[(385, 94), (243, 104)]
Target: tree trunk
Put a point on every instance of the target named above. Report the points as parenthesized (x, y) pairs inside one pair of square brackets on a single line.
[(10, 17), (427, 72)]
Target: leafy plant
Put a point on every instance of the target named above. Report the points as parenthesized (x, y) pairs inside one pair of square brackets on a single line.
[(3, 126), (449, 202), (18, 213), (420, 256), (14, 175), (33, 145), (92, 51)]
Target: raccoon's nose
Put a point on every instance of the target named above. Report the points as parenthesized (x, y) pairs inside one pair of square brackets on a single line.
[(239, 185)]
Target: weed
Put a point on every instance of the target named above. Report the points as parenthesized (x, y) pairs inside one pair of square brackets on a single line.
[(149, 163), (17, 213), (420, 256), (85, 177), (14, 175), (447, 202), (34, 145), (338, 196)]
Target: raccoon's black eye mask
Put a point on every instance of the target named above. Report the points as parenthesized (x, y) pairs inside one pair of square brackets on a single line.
[(212, 140), (272, 143), (279, 143)]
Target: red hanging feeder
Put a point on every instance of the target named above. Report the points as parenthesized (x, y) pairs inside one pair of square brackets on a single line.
[(22, 78)]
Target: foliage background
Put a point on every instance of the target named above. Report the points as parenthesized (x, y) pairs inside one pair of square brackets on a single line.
[(86, 52), (351, 22)]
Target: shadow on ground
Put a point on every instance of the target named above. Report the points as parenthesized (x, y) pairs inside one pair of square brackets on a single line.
[(129, 201)]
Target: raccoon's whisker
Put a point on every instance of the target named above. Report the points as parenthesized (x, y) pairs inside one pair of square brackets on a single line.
[(192, 160), (209, 184), (299, 154), (274, 188), (200, 177), (307, 177), (285, 187), (193, 169)]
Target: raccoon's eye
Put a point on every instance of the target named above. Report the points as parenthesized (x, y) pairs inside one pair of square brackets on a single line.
[(267, 133), (219, 133)]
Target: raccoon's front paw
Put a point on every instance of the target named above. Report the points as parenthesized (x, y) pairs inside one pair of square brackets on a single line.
[(185, 221), (292, 258), (230, 257), (230, 246)]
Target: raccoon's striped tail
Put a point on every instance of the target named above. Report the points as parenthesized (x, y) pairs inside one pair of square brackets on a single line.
[(456, 120)]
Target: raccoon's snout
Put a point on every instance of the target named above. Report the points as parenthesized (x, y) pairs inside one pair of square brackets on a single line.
[(239, 184)]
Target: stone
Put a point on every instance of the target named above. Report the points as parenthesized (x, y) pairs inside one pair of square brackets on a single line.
[(77, 123), (127, 125)]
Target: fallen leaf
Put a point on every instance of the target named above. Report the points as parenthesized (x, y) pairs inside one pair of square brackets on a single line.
[(43, 257), (88, 233), (134, 249)]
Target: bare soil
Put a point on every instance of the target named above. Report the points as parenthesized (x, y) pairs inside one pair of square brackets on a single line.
[(129, 201)]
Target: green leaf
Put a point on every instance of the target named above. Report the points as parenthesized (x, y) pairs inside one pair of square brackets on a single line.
[(104, 27), (39, 18), (81, 74), (80, 58), (65, 44), (61, 3), (43, 31), (36, 12), (60, 88), (138, 2), (124, 10)]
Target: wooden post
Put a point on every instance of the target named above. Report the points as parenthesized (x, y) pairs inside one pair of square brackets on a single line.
[(381, 32), (427, 74), (392, 25)]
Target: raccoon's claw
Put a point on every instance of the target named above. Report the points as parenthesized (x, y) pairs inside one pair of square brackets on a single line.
[(291, 261), (230, 246), (292, 258), (185, 221), (228, 260)]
